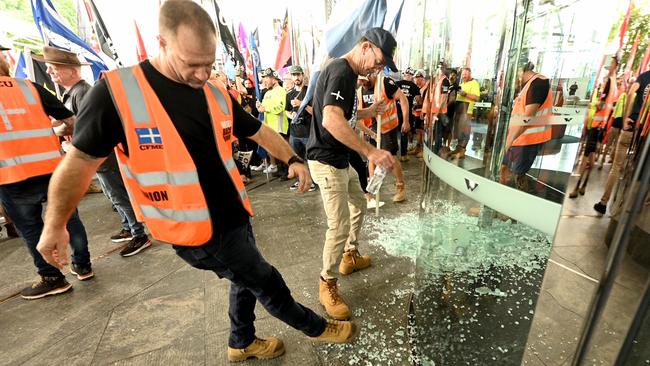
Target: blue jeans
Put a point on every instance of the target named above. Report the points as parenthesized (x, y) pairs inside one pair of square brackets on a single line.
[(234, 255), (113, 187), (299, 145), (26, 212)]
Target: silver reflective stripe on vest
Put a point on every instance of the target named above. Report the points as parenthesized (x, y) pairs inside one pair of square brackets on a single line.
[(230, 164), (160, 178), (392, 117), (535, 130), (32, 158), (543, 112), (600, 118), (174, 215), (134, 96), (243, 195), (221, 99), (29, 134), (27, 92)]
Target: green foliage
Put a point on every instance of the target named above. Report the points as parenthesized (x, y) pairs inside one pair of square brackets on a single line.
[(21, 9), (639, 26), (68, 11)]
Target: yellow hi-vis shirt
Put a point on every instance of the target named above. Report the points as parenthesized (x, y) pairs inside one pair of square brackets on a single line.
[(470, 87)]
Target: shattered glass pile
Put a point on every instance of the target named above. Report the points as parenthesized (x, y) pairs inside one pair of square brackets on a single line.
[(475, 287)]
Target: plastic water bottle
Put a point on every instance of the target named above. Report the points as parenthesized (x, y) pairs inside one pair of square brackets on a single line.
[(374, 184)]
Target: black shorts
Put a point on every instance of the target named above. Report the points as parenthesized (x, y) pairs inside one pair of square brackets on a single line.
[(519, 159), (388, 140), (594, 136), (418, 123)]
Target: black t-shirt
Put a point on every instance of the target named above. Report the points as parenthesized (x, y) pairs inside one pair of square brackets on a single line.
[(538, 91), (300, 125), (641, 94), (336, 86), (55, 109), (410, 90), (99, 129)]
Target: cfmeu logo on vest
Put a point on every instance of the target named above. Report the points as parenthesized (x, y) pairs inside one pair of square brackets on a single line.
[(149, 138)]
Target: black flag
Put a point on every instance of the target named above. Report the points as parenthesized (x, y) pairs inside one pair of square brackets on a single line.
[(228, 39)]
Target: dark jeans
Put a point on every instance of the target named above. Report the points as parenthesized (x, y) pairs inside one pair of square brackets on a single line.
[(357, 163), (26, 212), (299, 145), (235, 256), (113, 187)]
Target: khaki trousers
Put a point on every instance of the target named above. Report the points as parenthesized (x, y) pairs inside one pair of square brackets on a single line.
[(345, 207), (620, 155)]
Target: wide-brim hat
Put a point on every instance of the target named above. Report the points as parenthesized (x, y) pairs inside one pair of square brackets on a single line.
[(58, 56)]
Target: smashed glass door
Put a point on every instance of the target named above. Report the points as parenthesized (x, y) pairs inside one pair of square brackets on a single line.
[(486, 231)]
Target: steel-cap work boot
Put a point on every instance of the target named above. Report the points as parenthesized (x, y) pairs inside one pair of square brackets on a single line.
[(337, 332), (353, 261), (261, 348), (400, 193), (329, 297)]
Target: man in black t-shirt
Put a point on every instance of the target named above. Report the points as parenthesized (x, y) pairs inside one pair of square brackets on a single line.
[(410, 90), (23, 202), (331, 138), (637, 94), (179, 86), (299, 125)]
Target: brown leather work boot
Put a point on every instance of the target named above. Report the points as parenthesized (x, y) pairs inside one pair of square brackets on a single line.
[(330, 299), (353, 261), (400, 193), (337, 332), (261, 348)]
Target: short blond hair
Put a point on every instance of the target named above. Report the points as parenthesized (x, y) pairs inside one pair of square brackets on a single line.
[(174, 13)]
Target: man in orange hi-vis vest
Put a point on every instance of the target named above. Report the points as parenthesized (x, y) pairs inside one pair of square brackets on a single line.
[(524, 142), (173, 133), (29, 153), (596, 127)]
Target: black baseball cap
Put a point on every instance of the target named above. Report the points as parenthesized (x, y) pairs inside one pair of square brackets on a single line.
[(386, 42), (3, 48)]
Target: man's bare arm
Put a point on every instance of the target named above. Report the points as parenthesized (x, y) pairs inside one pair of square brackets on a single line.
[(63, 127), (335, 123), (631, 95), (372, 111), (68, 185)]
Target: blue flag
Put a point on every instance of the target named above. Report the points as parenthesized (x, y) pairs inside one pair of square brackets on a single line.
[(257, 66), (342, 37), (56, 33)]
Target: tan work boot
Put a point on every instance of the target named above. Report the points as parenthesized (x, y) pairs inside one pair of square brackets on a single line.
[(353, 261), (404, 158), (330, 299), (400, 193), (261, 348), (337, 332)]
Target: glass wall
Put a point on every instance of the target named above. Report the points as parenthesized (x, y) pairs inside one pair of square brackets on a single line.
[(497, 165)]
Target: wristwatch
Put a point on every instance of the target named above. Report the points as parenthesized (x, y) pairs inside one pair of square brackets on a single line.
[(295, 159)]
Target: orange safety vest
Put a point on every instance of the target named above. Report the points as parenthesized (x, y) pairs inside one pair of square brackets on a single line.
[(533, 134), (434, 103), (159, 172), (28, 145), (601, 116), (389, 119)]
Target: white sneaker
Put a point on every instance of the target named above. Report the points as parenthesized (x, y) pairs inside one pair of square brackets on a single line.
[(271, 169), (258, 168), (372, 203)]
